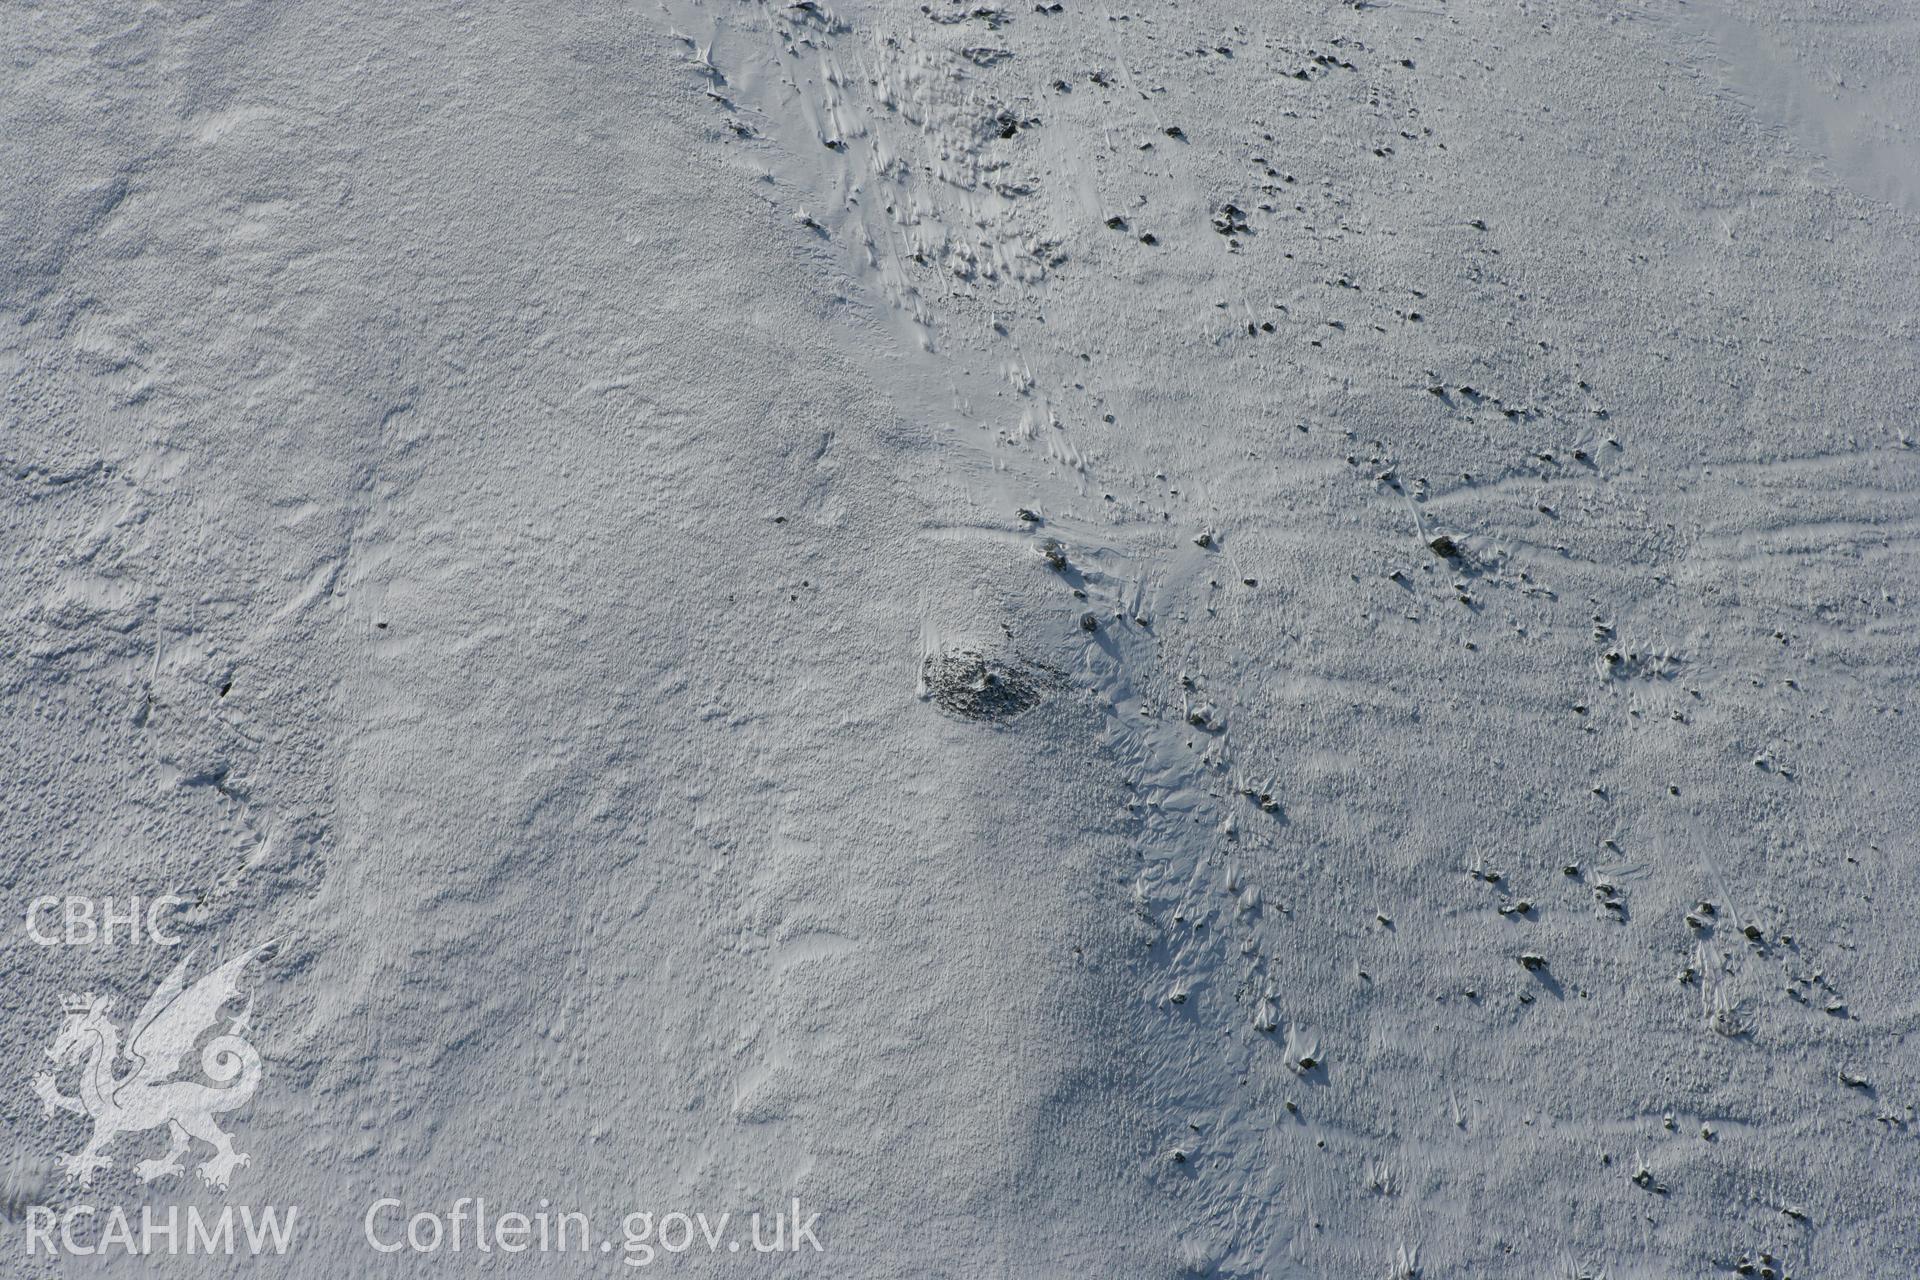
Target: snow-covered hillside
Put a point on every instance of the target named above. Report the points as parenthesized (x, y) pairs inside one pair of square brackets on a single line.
[(1215, 639)]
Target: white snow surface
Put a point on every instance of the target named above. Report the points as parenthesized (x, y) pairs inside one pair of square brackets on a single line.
[(523, 504)]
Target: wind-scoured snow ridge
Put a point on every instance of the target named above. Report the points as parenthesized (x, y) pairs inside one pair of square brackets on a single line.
[(1200, 641), (992, 171)]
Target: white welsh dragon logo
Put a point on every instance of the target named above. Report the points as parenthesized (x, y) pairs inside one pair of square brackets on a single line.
[(148, 1095)]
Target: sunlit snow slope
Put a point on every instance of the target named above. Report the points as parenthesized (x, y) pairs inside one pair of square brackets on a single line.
[(1223, 639)]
